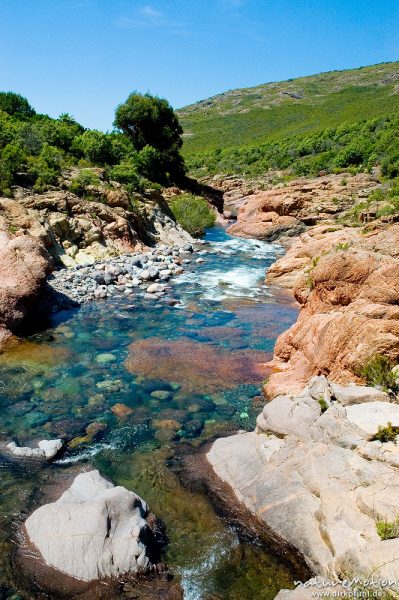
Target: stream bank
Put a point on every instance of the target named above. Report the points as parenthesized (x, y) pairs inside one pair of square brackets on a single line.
[(128, 382)]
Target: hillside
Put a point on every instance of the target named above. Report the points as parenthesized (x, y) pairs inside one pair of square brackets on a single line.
[(274, 111)]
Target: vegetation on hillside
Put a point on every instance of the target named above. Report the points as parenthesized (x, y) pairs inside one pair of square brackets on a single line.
[(277, 111), (350, 147), (35, 149)]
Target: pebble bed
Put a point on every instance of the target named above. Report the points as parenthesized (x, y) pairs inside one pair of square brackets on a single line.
[(145, 274)]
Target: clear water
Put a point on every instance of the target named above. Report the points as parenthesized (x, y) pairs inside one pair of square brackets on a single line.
[(127, 382)]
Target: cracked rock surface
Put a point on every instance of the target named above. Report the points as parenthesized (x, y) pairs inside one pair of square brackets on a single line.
[(312, 475)]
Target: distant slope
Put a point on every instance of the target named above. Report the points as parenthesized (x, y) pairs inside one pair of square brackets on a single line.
[(275, 111)]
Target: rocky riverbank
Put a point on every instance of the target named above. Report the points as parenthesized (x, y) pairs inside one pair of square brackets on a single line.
[(319, 473), (103, 239)]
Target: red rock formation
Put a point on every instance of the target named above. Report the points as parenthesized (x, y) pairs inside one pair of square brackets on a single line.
[(287, 209), (24, 266), (349, 296)]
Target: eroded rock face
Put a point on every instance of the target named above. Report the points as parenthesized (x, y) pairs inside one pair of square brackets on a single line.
[(286, 210), (94, 530), (349, 295), (78, 231), (304, 475), (24, 266)]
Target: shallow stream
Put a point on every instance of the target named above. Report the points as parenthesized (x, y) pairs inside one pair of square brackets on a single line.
[(131, 381)]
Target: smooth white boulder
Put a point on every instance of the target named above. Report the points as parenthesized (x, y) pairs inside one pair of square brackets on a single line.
[(47, 449), (25, 451), (50, 447), (371, 415), (357, 394), (93, 530)]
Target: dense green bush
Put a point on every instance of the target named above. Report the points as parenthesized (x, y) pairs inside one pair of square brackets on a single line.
[(45, 168), (388, 530), (44, 146), (193, 213), (95, 147), (125, 172), (377, 371), (81, 182), (12, 159)]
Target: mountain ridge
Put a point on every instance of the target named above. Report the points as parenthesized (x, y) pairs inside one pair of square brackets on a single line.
[(253, 115)]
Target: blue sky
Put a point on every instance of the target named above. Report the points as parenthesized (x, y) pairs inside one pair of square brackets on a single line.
[(86, 56)]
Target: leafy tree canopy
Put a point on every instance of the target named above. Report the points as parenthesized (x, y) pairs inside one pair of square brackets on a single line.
[(151, 122), (15, 104)]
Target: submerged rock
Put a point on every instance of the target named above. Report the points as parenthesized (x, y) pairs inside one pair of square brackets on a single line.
[(94, 530), (47, 449)]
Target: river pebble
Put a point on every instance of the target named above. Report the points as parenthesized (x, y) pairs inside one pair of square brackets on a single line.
[(144, 274)]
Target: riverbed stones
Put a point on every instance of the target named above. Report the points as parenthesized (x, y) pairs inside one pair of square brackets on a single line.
[(125, 275), (94, 530), (121, 410)]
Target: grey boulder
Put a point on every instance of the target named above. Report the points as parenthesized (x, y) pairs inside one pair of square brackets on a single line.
[(93, 530)]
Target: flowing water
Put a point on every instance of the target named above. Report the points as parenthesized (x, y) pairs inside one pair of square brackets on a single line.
[(129, 383)]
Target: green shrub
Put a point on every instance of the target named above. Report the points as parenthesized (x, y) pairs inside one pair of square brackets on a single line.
[(81, 182), (60, 132), (342, 246), (15, 104), (323, 404), (126, 173), (388, 530), (45, 168), (193, 213), (12, 159), (378, 373), (150, 164), (386, 434), (95, 147)]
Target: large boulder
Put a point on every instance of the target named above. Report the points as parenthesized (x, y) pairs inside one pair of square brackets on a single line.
[(24, 266), (94, 530)]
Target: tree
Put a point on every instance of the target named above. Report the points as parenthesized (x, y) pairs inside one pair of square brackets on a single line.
[(15, 104), (151, 121), (95, 146)]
